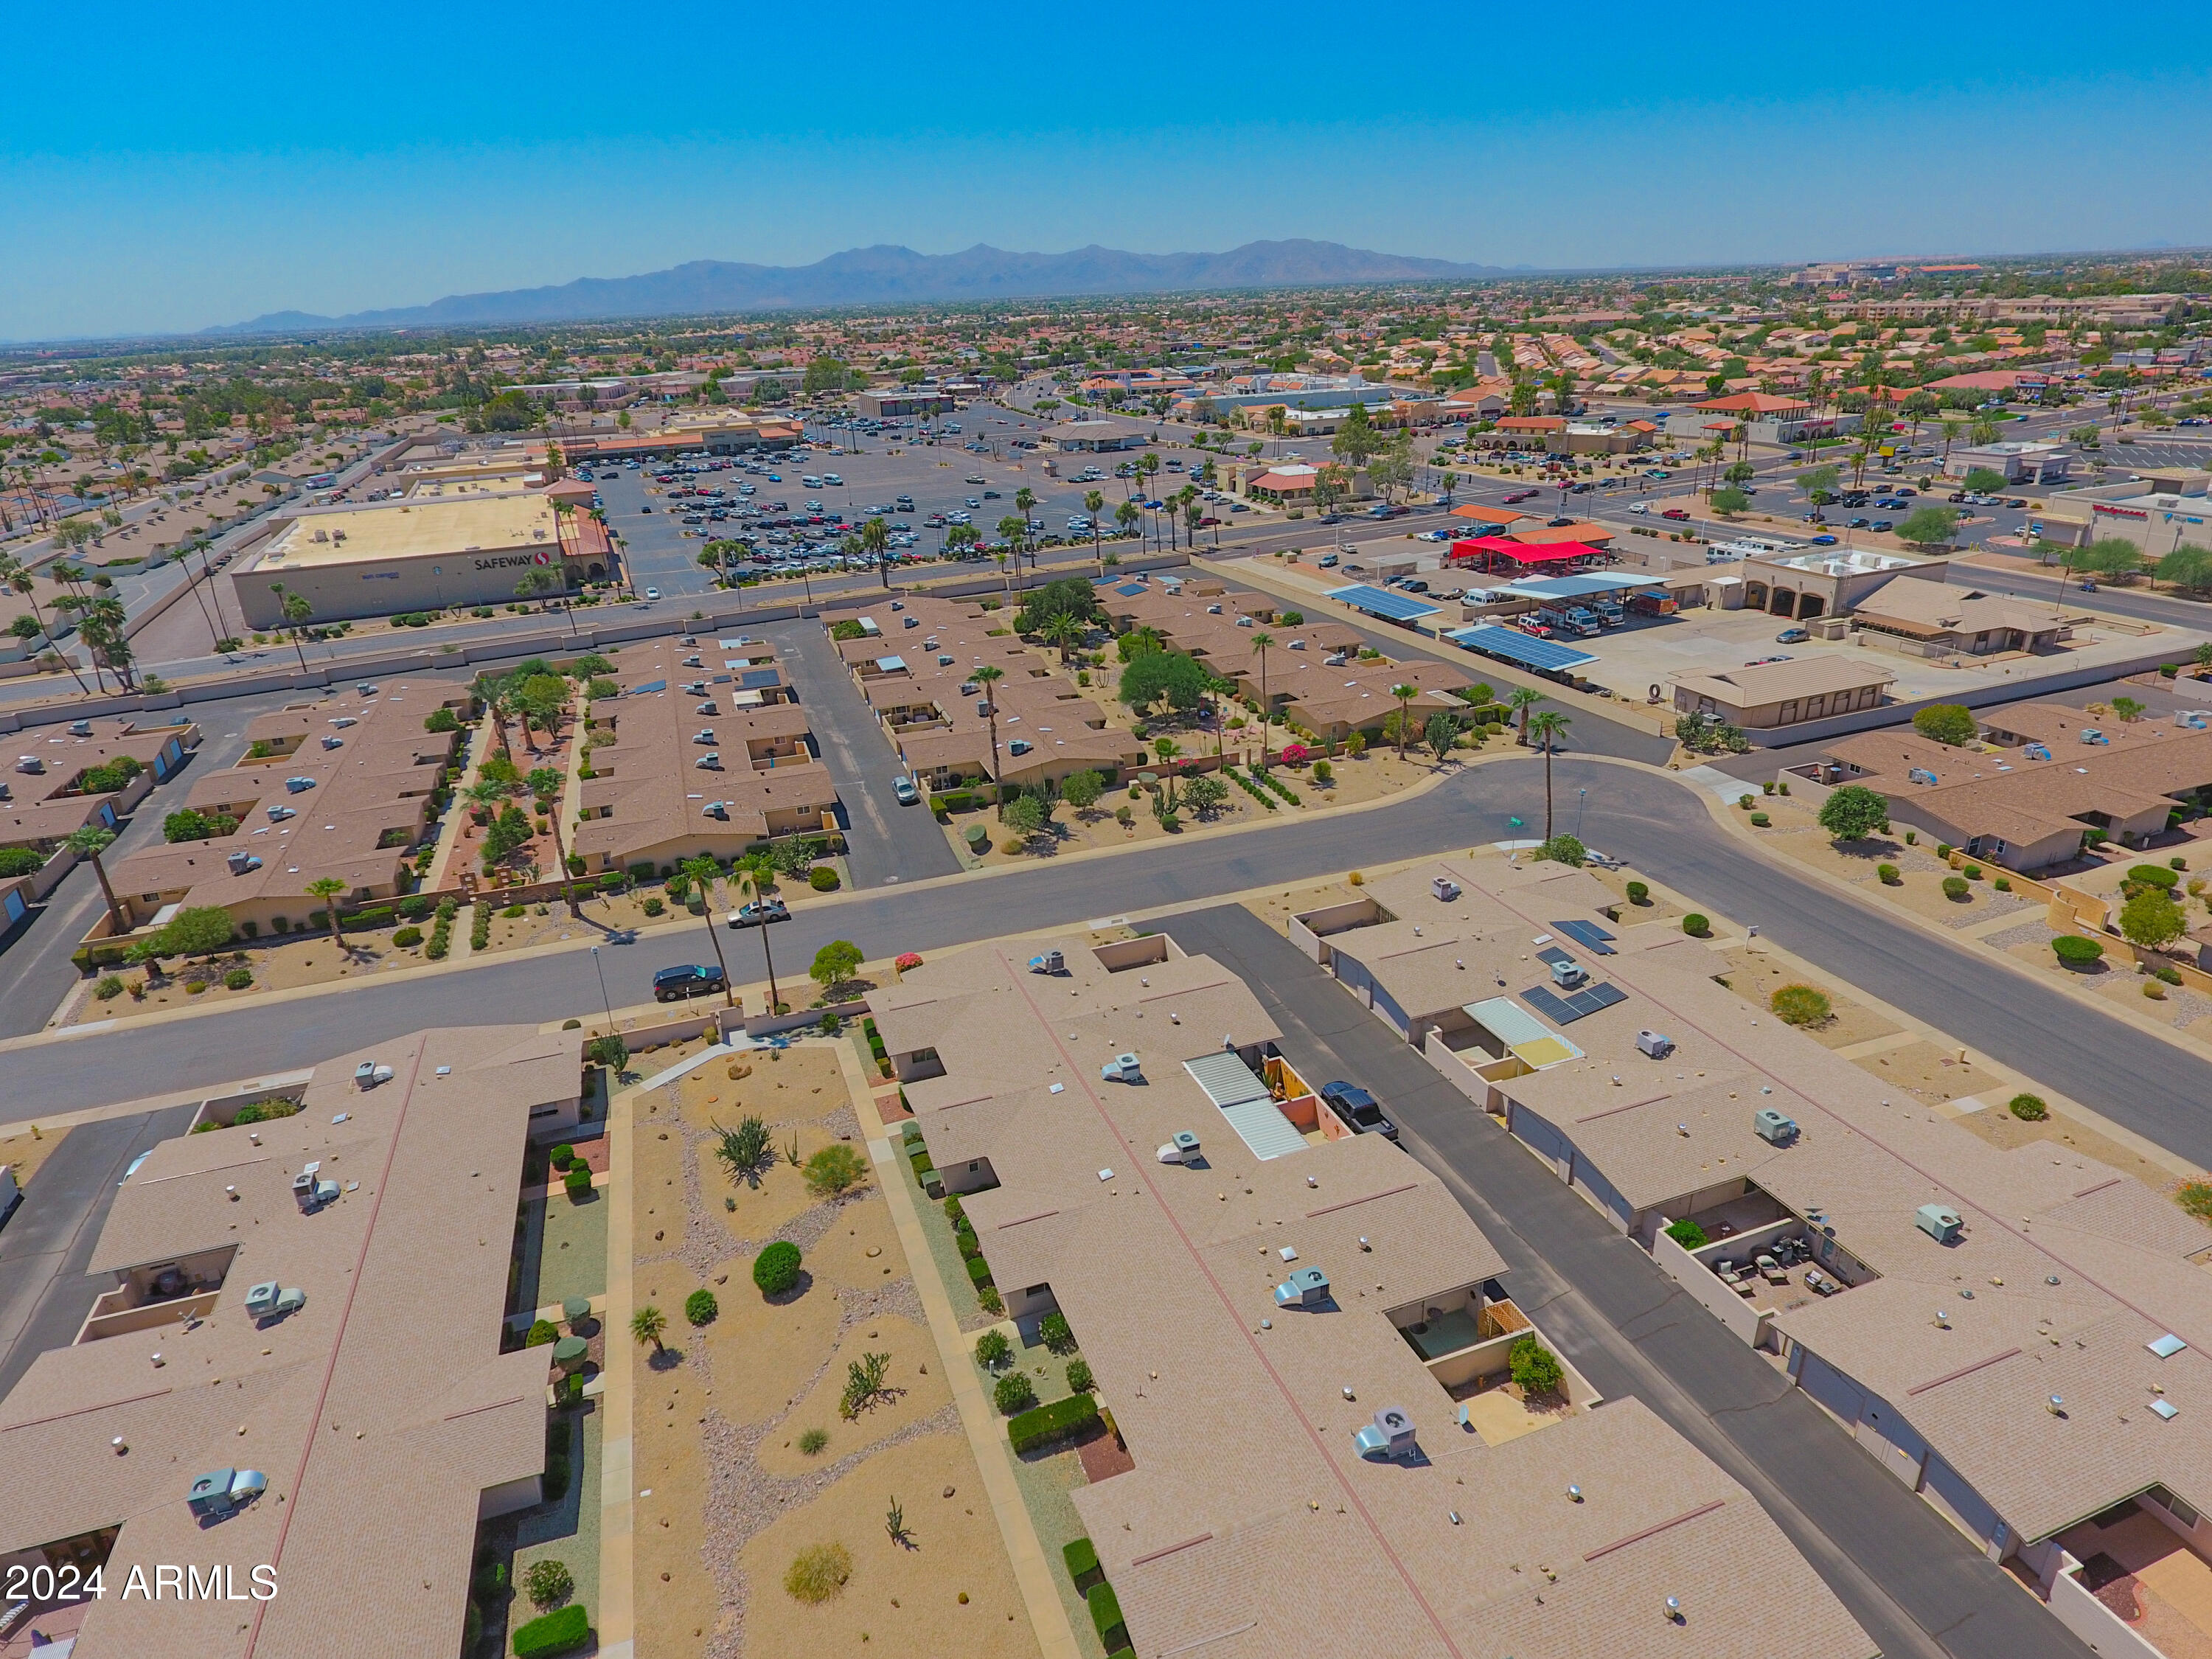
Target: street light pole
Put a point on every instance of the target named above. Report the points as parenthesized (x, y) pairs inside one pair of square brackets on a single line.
[(606, 1001)]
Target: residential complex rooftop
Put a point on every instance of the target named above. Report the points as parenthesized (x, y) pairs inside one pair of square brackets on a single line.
[(382, 1412)]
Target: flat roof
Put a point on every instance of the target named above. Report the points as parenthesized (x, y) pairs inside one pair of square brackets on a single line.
[(1495, 639), (1381, 602), (1580, 583), (418, 528)]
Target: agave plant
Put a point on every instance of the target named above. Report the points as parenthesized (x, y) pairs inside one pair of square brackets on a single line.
[(747, 1150)]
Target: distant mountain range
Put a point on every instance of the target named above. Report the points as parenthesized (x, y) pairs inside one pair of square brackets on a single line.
[(890, 275)]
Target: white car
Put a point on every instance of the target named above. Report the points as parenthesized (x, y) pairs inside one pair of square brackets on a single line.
[(903, 788), (1639, 507), (651, 592)]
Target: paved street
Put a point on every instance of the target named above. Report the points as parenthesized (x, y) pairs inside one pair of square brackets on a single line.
[(1911, 1579), (1654, 822), (44, 1293)]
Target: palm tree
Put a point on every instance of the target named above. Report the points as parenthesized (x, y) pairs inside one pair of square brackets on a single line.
[(90, 842), (1025, 500), (1405, 694), (1127, 515), (875, 542), (748, 883), (1262, 642), (327, 888), (1518, 703), (1167, 749), (1063, 631), (647, 1325), (1548, 725), (706, 873), (295, 610), (22, 580), (1094, 503), (988, 676)]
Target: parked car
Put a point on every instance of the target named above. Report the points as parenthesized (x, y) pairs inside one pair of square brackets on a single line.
[(1328, 562), (1679, 513), (758, 913), (1823, 541), (902, 788), (651, 592), (1360, 1111), (1792, 637), (690, 980)]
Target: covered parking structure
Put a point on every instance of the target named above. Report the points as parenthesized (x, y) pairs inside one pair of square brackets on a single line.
[(1490, 553), (1526, 650), (1580, 585), (1399, 608)]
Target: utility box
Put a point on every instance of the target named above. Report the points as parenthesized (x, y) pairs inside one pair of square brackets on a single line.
[(1777, 1127), (1940, 1222)]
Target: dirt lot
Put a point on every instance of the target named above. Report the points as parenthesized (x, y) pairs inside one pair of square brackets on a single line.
[(1930, 1075), (23, 1151), (1996, 1124), (1755, 977), (729, 1493)]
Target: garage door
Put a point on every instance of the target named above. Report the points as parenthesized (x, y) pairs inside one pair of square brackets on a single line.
[(1542, 1136), (1952, 1496)]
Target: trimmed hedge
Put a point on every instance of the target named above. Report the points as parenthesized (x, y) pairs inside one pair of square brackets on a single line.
[(1106, 1616), (1056, 1421), (1082, 1558), (979, 1271), (564, 1630), (2075, 951), (775, 1269)]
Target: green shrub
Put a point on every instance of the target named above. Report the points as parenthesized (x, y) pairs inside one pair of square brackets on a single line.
[(811, 1442), (1106, 1616), (818, 1573), (1760, 820), (541, 1332), (1535, 1367), (1638, 893), (1888, 873), (565, 1630), (238, 979), (654, 905), (775, 1269), (20, 860), (407, 937), (979, 1271), (992, 1349), (823, 879), (834, 1168), (1801, 1004), (414, 906), (1046, 1423), (2150, 875), (1695, 926), (1942, 849), (577, 1181), (561, 1156), (1954, 887), (1688, 1234), (700, 1307), (2002, 884), (2029, 1108), (109, 987), (2076, 951), (1013, 1393), (1056, 1333), (1082, 1558), (2196, 1197), (1079, 1379), (548, 1582)]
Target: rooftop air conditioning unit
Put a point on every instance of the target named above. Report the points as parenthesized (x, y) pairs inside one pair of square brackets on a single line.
[(1020, 746), (1181, 1148), (911, 621), (692, 662), (707, 708), (1052, 961), (343, 720), (1298, 644), (1444, 888), (261, 1299), (710, 762), (331, 740), (367, 688), (1777, 1128), (688, 641), (81, 728), (697, 689), (364, 1075), (221, 1491), (717, 809), (240, 863), (1306, 1288), (705, 734), (1213, 610), (1123, 1068), (1940, 1222), (1567, 974), (1390, 1435), (278, 814), (1336, 661), (30, 763), (1657, 1044), (381, 1075), (298, 786)]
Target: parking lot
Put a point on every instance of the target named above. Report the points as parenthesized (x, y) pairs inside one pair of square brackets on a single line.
[(975, 473)]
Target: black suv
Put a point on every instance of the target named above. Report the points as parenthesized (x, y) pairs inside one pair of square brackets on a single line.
[(674, 984), (1360, 1110)]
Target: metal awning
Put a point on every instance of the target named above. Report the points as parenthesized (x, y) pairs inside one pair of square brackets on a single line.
[(1494, 639), (1244, 1100), (1381, 602)]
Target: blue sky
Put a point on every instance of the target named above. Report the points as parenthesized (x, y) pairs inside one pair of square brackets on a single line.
[(170, 167)]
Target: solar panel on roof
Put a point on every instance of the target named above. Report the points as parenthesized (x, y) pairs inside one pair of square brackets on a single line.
[(650, 685), (1587, 934), (1493, 640), (1564, 1011), (756, 679), (1381, 602), (1130, 590)]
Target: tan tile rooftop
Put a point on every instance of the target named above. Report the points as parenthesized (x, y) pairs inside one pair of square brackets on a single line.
[(382, 1412), (1250, 1526), (474, 522)]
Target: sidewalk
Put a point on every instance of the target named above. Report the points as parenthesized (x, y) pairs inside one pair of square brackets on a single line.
[(615, 1621), (986, 1436)]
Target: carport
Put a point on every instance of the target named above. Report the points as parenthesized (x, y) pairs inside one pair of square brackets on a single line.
[(1401, 608), (1511, 645)]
